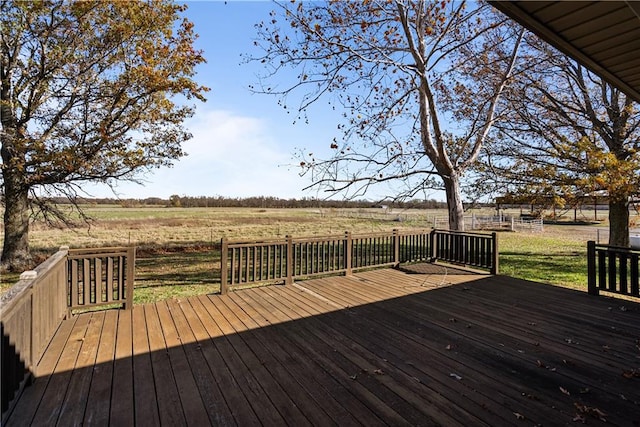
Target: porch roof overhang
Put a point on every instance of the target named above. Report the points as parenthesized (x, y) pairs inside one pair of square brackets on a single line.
[(604, 36)]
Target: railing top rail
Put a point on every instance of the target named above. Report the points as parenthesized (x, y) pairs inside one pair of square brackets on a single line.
[(236, 245), (242, 243), (97, 255), (371, 235), (316, 239), (104, 250), (600, 246), (468, 233)]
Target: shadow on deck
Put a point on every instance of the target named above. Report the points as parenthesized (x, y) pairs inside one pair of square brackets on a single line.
[(384, 347)]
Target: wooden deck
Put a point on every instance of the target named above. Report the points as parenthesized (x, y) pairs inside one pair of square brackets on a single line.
[(431, 346)]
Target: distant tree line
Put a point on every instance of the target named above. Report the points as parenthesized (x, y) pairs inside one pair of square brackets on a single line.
[(258, 202)]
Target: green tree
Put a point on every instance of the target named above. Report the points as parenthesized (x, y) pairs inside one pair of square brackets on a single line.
[(93, 91), (419, 83), (568, 135)]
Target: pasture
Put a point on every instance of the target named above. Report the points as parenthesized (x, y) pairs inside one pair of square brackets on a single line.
[(178, 248)]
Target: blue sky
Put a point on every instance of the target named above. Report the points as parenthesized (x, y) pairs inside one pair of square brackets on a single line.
[(243, 143)]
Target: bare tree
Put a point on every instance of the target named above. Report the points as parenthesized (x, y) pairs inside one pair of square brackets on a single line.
[(418, 82), (569, 135)]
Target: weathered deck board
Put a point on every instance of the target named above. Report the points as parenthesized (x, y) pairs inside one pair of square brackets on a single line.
[(145, 406), (97, 413), (429, 346), (121, 410)]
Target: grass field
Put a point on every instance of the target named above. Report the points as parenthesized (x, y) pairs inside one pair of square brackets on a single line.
[(178, 252)]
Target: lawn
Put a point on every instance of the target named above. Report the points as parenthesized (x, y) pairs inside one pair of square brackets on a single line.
[(178, 248)]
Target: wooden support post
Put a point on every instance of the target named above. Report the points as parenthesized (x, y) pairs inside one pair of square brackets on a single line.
[(348, 249), (224, 268), (496, 256), (432, 243), (289, 266), (396, 247), (131, 277), (591, 268)]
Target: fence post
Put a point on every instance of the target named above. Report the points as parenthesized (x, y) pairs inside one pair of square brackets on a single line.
[(131, 276), (396, 247), (591, 268), (289, 279), (67, 286), (348, 248), (224, 268), (432, 243), (496, 257)]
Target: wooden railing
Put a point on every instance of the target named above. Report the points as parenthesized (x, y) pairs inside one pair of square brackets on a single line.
[(612, 269), (470, 249), (101, 277), (32, 310), (285, 259)]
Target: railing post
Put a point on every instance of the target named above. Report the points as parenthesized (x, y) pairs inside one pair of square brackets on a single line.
[(67, 284), (29, 275), (348, 248), (396, 247), (131, 273), (592, 287), (496, 255), (289, 279), (432, 243), (224, 268)]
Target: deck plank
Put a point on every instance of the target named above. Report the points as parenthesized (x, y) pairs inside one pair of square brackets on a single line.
[(52, 399), (73, 408), (346, 367), (206, 332), (167, 394), (211, 396), (145, 399), (99, 396), (408, 384), (27, 406), (192, 405), (406, 351), (430, 346), (122, 410), (357, 412), (297, 363), (280, 365), (257, 363), (229, 347)]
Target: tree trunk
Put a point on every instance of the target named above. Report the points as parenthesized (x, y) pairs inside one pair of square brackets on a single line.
[(619, 223), (454, 201), (15, 251)]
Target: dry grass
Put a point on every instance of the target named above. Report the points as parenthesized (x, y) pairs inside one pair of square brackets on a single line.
[(178, 248)]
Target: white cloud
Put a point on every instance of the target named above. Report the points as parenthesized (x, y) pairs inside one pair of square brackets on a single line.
[(229, 155)]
